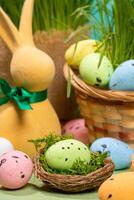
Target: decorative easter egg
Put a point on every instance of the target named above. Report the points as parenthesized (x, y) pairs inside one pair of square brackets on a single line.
[(5, 145), (120, 152), (96, 69), (132, 163), (76, 52), (123, 77), (63, 154), (15, 169), (118, 187), (78, 129)]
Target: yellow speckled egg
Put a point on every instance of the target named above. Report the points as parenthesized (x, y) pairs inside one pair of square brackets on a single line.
[(118, 187), (132, 165), (76, 52)]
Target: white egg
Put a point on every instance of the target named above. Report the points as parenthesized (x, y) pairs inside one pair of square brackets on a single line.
[(5, 145)]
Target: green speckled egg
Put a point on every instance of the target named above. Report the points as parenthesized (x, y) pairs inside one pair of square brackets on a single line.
[(94, 75), (63, 154)]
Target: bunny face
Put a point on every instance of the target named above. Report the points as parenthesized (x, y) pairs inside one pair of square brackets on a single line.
[(34, 71)]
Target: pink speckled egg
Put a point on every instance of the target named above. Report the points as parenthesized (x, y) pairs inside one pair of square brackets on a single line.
[(78, 129), (15, 169)]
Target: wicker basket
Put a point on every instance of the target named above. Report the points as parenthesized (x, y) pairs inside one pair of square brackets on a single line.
[(108, 113), (74, 183)]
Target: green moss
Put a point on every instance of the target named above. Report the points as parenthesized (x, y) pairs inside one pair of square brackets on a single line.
[(79, 167), (48, 141)]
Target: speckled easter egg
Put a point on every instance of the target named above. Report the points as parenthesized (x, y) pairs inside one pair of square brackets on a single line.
[(132, 163), (120, 152), (76, 52), (15, 169), (78, 129), (123, 77), (95, 71), (5, 145), (63, 154), (118, 187)]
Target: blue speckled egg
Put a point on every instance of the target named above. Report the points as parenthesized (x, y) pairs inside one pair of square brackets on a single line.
[(120, 152), (123, 77)]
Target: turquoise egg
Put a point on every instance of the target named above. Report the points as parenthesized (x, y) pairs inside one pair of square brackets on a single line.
[(96, 70), (63, 154), (123, 77), (120, 152)]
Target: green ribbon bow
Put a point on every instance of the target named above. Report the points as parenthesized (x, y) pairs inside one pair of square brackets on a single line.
[(21, 96)]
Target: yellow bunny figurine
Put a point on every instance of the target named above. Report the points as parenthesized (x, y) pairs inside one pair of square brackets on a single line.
[(33, 70)]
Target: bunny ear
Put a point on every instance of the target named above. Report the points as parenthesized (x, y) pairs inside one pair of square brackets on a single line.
[(8, 31), (25, 27)]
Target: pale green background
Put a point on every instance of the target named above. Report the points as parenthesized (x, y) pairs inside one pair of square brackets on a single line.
[(36, 191)]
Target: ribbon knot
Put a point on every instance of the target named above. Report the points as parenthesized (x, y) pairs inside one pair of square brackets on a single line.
[(22, 97)]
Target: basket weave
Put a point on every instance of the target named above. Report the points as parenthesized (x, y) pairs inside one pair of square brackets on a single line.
[(74, 183), (107, 113)]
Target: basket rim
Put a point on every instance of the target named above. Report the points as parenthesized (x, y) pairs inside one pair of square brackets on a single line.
[(90, 91)]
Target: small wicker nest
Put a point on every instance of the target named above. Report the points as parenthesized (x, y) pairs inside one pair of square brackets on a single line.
[(74, 183), (107, 113)]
